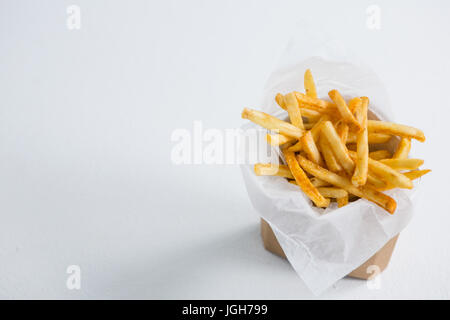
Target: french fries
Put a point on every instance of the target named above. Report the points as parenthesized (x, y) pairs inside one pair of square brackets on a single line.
[(404, 146), (310, 148), (400, 130), (278, 139), (380, 154), (293, 110), (387, 174), (338, 147), (329, 157), (268, 169), (362, 146), (310, 87), (333, 151), (314, 103), (302, 180), (342, 201), (372, 138), (368, 193), (403, 164), (270, 122), (343, 109), (415, 174), (333, 192)]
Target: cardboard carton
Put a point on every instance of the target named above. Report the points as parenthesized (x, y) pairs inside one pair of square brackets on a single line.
[(380, 259)]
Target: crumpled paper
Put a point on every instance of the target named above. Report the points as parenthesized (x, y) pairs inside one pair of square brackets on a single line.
[(324, 246)]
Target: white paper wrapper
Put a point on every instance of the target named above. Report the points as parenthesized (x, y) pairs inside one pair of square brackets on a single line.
[(323, 246)]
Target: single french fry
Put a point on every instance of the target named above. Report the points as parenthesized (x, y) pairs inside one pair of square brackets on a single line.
[(310, 148), (362, 147), (366, 192), (278, 139), (380, 154), (270, 122), (310, 87), (338, 147), (412, 175), (293, 110), (415, 174), (358, 109), (342, 201), (302, 180), (387, 174), (342, 131), (312, 115), (329, 157), (316, 182), (279, 98), (296, 147), (332, 192), (314, 103), (403, 164), (268, 169), (372, 137), (404, 146), (343, 109), (315, 131), (374, 181), (375, 126), (354, 104)]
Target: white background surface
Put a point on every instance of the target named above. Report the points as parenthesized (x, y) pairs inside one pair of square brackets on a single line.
[(86, 118)]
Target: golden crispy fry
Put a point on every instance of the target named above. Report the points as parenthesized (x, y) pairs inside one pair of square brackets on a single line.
[(354, 104), (315, 131), (380, 154), (403, 164), (332, 192), (268, 169), (343, 109), (342, 201), (279, 98), (296, 147), (303, 181), (358, 110), (316, 182), (414, 174), (278, 139), (372, 137), (376, 126), (338, 147), (366, 192), (310, 148), (329, 157), (362, 147), (374, 181), (312, 115), (387, 174), (270, 122), (314, 103), (342, 131), (310, 87), (404, 146), (293, 110)]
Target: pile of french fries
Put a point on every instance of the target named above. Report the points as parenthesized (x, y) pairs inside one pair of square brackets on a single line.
[(332, 150)]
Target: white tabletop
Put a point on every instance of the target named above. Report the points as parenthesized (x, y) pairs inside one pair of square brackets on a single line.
[(86, 118)]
